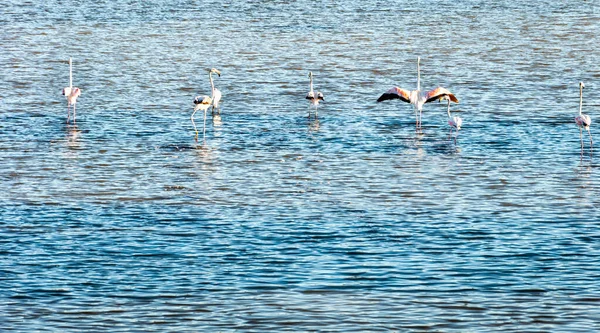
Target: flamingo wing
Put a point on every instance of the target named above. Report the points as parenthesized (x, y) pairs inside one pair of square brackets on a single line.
[(205, 100), (310, 95), (439, 93), (395, 93), (320, 96)]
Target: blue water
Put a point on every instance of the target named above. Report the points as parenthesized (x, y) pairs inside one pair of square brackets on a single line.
[(273, 222)]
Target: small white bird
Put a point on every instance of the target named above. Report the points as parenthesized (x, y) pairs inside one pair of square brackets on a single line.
[(416, 97), (583, 121), (314, 101), (71, 93), (216, 94), (454, 122)]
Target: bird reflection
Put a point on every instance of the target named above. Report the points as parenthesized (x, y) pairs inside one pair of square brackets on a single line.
[(314, 125), (217, 122), (73, 134)]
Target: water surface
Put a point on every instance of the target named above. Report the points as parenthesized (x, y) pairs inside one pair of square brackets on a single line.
[(275, 222)]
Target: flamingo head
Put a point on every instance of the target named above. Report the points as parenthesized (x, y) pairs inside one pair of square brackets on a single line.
[(581, 85), (310, 75), (216, 71)]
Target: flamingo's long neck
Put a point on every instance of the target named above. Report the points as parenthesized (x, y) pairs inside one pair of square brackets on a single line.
[(418, 74), (580, 99), (311, 84), (212, 85), (70, 73)]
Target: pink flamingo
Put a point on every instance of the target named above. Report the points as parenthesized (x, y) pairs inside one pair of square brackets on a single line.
[(71, 93), (314, 101), (417, 97), (583, 120)]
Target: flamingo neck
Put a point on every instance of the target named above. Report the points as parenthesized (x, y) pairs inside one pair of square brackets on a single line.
[(311, 84), (70, 73), (212, 85), (419, 73), (580, 99)]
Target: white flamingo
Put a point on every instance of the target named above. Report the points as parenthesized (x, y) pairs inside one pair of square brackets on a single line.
[(216, 94), (204, 102), (583, 121), (314, 100), (416, 97), (454, 122), (71, 93)]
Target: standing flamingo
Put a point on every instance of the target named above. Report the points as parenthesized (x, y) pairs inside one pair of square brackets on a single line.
[(71, 93), (201, 103), (314, 101), (454, 122), (417, 97), (583, 120), (204, 102), (216, 94)]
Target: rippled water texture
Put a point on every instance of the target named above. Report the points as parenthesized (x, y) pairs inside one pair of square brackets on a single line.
[(276, 223)]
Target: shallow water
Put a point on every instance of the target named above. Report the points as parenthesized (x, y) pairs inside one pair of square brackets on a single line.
[(274, 222)]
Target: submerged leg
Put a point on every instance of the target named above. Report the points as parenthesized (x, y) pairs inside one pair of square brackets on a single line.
[(68, 112)]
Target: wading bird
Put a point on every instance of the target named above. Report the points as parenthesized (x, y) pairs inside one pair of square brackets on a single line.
[(583, 121), (216, 94), (314, 100), (71, 93), (201, 103), (454, 122), (204, 102), (416, 97)]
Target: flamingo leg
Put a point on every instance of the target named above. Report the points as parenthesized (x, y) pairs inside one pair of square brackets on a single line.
[(193, 123), (316, 111), (204, 130), (420, 118), (581, 139), (68, 112), (456, 137), (417, 120), (591, 141), (74, 113)]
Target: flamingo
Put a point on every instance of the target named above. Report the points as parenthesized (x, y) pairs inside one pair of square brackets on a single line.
[(216, 94), (583, 120), (454, 122), (314, 101), (71, 93), (201, 103), (417, 97), (204, 102)]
